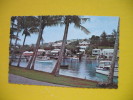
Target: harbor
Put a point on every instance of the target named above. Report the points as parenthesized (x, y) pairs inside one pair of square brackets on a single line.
[(84, 69)]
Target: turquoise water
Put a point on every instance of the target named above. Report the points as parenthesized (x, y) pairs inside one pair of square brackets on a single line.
[(85, 69)]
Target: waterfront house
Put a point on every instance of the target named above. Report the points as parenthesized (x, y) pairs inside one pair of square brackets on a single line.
[(103, 53), (40, 51), (57, 44), (96, 52), (83, 45), (27, 53), (30, 53), (55, 52), (107, 53)]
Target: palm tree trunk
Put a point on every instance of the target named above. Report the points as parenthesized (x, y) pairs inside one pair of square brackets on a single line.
[(10, 34), (21, 52), (37, 47), (15, 43), (35, 50), (58, 63), (111, 74), (29, 63)]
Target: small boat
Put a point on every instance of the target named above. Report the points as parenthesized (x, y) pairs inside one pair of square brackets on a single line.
[(44, 59), (75, 58), (104, 68)]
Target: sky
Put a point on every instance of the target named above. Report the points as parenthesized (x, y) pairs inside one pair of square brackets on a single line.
[(96, 26)]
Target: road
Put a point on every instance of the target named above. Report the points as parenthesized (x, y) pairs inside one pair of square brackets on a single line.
[(22, 80)]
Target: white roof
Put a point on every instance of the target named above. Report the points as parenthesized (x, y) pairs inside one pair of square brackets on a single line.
[(28, 52), (81, 50), (54, 51), (57, 44), (107, 49), (41, 50), (83, 46)]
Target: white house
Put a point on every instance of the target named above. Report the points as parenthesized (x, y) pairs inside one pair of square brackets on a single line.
[(96, 52), (107, 53), (40, 51), (57, 44), (27, 53), (55, 52), (83, 45)]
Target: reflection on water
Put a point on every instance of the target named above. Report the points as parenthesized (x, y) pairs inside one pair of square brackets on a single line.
[(85, 69)]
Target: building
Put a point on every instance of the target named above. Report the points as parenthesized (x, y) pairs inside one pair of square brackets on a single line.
[(27, 53), (96, 52), (55, 52), (83, 45), (40, 51), (107, 53), (103, 53), (30, 53), (57, 44)]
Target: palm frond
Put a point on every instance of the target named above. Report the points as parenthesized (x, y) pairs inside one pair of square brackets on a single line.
[(83, 20), (33, 30), (82, 28), (26, 33), (52, 21)]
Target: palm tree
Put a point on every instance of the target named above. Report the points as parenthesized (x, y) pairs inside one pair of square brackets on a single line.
[(37, 43), (18, 30), (68, 20), (111, 74), (12, 29), (12, 36), (26, 33), (29, 28), (44, 21), (42, 41)]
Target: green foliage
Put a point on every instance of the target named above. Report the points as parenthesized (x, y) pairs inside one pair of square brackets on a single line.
[(103, 41), (73, 47), (88, 51)]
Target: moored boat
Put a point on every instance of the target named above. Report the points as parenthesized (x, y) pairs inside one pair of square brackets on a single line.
[(44, 59), (104, 68)]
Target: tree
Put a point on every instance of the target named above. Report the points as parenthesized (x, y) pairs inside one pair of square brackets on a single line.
[(28, 21), (73, 47), (104, 41), (26, 33), (95, 40), (42, 41), (18, 30), (111, 73), (111, 40), (44, 22), (12, 29), (67, 21)]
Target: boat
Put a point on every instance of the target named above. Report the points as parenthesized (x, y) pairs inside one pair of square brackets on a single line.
[(75, 58), (104, 68), (44, 59)]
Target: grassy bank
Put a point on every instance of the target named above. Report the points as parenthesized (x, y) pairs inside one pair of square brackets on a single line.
[(47, 77)]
